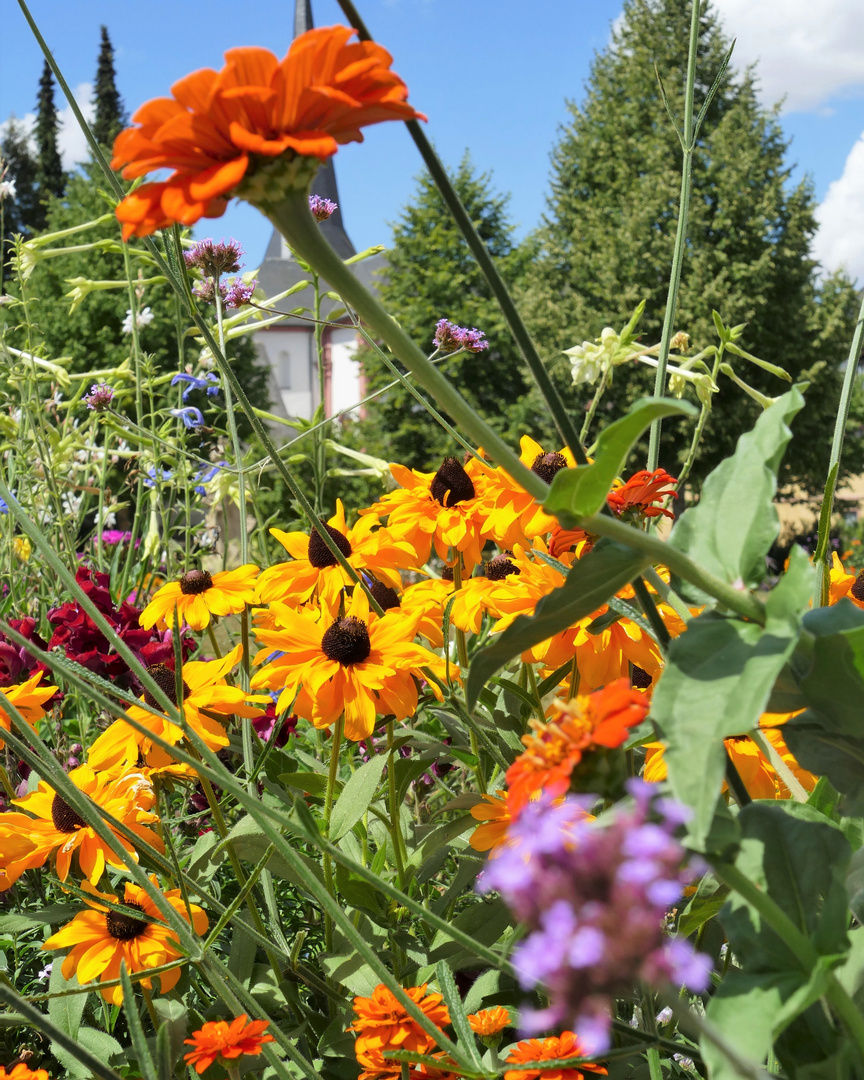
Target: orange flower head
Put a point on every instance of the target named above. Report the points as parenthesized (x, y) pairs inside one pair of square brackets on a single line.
[(199, 595), (29, 699), (51, 827), (641, 491), (842, 584), (382, 1022), (565, 1045), (259, 122), (553, 750), (219, 1039), (489, 1021), (102, 937), (21, 1072)]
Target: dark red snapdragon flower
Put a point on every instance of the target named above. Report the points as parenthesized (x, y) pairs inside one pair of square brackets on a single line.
[(85, 643)]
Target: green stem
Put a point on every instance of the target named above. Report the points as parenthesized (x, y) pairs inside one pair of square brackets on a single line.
[(595, 401), (235, 436), (823, 563), (292, 218), (688, 143), (646, 602), (678, 563), (395, 815), (327, 861)]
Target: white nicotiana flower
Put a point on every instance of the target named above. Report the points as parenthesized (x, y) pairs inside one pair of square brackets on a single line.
[(143, 318), (7, 189), (591, 359)]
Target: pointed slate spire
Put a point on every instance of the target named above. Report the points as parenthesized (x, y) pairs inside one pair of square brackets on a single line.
[(325, 180)]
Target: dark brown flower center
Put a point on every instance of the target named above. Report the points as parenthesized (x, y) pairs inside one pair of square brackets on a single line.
[(347, 641), (319, 554), (64, 817), (388, 598), (451, 484), (125, 927), (546, 465), (499, 568), (857, 589), (447, 573), (166, 680), (640, 678), (196, 581)]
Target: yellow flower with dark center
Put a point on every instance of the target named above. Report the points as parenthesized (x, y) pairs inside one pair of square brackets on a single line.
[(101, 938), (512, 515), (358, 664), (842, 584), (27, 842), (198, 596), (205, 692), (441, 508), (428, 598), (479, 594), (29, 699), (314, 568)]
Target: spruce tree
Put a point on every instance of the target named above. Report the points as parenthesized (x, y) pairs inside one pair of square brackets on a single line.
[(606, 240), (21, 214), (50, 177), (432, 275), (110, 114)]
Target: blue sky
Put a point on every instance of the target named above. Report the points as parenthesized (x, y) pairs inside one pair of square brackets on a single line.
[(493, 77)]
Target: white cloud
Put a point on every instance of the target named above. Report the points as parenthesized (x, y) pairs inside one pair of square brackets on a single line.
[(70, 138), (840, 239), (807, 50)]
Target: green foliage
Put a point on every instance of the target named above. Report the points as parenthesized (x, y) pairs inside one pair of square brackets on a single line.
[(606, 241), (432, 275), (110, 115), (21, 214), (50, 177)]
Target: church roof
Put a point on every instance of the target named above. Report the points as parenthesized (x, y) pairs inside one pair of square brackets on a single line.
[(279, 271)]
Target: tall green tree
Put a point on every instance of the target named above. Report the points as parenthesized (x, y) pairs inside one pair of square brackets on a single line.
[(432, 275), (110, 114), (21, 212), (606, 240), (50, 177)]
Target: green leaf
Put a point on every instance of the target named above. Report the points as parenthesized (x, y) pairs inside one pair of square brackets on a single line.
[(464, 1034), (146, 1064), (732, 527), (358, 793), (829, 753), (97, 1043), (582, 491), (834, 686), (716, 683), (311, 783), (56, 913), (608, 567), (66, 1011)]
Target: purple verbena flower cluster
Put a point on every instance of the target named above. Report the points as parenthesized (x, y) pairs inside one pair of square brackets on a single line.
[(322, 208), (595, 898), (451, 338), (214, 259), (100, 397), (233, 295)]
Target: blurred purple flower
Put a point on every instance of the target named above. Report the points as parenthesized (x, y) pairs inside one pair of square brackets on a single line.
[(100, 397), (450, 338), (322, 208)]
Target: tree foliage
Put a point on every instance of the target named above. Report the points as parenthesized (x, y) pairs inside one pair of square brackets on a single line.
[(50, 177), (110, 114), (431, 275), (21, 212), (606, 240)]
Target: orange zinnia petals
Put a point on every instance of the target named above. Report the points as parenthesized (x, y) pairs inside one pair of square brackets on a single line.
[(552, 752), (21, 1072), (219, 1039), (642, 490), (383, 1024), (565, 1045), (219, 127), (489, 1021)]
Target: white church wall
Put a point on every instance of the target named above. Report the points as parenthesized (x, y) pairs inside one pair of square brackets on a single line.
[(289, 353), (344, 371)]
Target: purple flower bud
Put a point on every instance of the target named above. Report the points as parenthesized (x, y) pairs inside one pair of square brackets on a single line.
[(240, 293), (322, 208), (474, 340), (214, 259), (206, 290), (450, 338), (100, 397)]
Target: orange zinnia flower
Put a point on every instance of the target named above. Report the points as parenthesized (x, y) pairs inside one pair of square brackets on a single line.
[(382, 1022), (553, 751), (639, 493), (489, 1021), (565, 1045), (218, 1038), (221, 127), (21, 1072)]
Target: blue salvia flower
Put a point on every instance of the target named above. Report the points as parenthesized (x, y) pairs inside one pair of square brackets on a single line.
[(204, 474), (209, 383), (165, 474), (191, 417)]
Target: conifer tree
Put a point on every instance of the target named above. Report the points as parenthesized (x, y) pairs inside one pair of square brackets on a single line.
[(432, 275), (22, 212), (110, 114), (606, 241), (50, 177)]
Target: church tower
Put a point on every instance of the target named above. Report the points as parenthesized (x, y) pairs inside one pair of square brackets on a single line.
[(288, 347)]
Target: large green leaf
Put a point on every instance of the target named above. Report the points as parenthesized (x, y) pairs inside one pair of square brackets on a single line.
[(829, 753), (591, 581), (358, 792), (732, 527), (716, 682), (582, 491), (66, 1011), (834, 686)]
